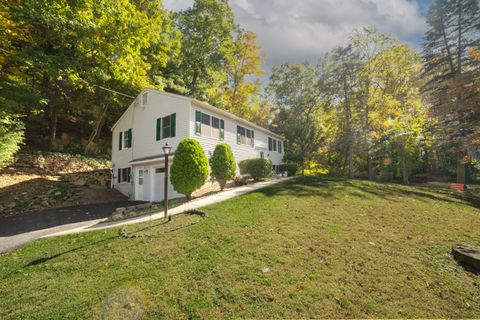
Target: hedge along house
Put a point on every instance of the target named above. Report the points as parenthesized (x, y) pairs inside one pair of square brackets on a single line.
[(156, 118)]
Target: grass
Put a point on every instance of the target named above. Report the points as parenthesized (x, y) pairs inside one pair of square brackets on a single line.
[(305, 248)]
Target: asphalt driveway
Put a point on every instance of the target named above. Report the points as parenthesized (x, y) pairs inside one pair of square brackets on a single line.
[(18, 230)]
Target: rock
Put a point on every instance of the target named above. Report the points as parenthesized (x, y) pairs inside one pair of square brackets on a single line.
[(57, 194), (12, 205), (117, 216), (79, 182), (144, 205), (467, 256), (121, 210), (266, 270), (45, 203)]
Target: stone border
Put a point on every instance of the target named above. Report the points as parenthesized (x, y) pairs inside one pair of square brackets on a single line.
[(129, 212)]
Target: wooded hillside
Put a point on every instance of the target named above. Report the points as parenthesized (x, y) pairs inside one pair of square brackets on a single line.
[(374, 108)]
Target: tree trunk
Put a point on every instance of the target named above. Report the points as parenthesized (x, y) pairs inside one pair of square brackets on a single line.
[(350, 158), (349, 131), (403, 163), (53, 124), (96, 129), (370, 167), (461, 166)]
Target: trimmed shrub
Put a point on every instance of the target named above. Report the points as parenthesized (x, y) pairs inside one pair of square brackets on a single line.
[(222, 164), (257, 168), (189, 168), (290, 168)]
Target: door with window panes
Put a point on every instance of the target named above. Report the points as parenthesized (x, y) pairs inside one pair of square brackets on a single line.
[(139, 182)]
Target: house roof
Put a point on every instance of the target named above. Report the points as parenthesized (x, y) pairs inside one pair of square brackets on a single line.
[(203, 105)]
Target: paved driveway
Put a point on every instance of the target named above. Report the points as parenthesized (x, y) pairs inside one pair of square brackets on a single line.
[(20, 229)]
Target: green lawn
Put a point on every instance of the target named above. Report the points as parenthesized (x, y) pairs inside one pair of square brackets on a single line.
[(333, 249)]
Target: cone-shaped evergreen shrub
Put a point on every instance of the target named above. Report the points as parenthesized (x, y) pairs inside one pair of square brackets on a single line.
[(189, 168), (222, 164)]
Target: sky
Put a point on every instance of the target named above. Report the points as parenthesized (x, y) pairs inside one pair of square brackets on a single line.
[(303, 30)]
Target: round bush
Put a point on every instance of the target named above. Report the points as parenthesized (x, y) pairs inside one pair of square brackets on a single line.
[(257, 168), (222, 164), (189, 168), (290, 168)]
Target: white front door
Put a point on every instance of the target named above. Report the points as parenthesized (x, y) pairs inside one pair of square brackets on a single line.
[(139, 182)]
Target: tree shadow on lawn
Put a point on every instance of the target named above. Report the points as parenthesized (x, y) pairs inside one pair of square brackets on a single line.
[(335, 188), (121, 234)]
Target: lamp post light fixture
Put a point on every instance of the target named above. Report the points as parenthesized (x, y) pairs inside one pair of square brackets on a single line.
[(166, 151)]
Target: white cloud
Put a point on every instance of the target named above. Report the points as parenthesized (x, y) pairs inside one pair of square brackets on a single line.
[(298, 30)]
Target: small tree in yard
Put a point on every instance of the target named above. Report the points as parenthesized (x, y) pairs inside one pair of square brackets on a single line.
[(189, 168), (223, 164)]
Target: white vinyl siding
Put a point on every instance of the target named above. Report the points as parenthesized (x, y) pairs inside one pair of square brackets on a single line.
[(142, 119)]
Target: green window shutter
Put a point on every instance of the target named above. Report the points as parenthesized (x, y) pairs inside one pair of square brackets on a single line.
[(120, 136), (129, 172), (198, 122), (270, 144), (130, 138), (159, 128), (119, 177), (173, 118), (222, 129), (238, 135)]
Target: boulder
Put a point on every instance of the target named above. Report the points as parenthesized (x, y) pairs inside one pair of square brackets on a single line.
[(467, 256), (79, 182), (117, 216)]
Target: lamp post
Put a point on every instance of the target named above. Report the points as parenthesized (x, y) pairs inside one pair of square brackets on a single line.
[(166, 152)]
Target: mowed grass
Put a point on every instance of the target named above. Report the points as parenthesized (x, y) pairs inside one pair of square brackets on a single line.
[(333, 249)]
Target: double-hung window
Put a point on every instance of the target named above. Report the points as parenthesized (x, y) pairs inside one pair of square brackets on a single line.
[(215, 127), (272, 144), (125, 139), (250, 137), (206, 128), (241, 135), (123, 175), (166, 127)]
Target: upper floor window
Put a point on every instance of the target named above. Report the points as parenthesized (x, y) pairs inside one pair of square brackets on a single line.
[(209, 126), (245, 136), (125, 139), (166, 127), (273, 144)]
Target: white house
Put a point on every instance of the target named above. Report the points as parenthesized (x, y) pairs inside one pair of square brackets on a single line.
[(156, 118)]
